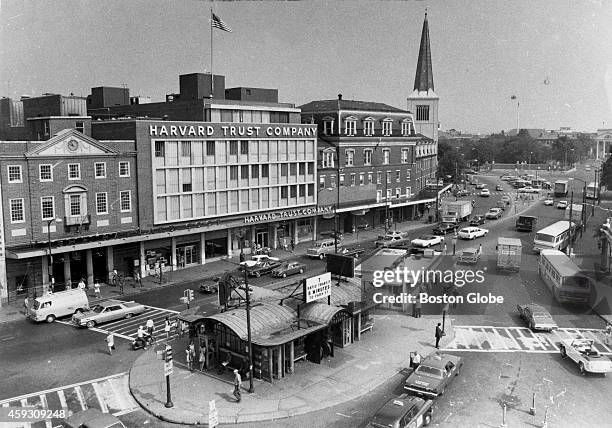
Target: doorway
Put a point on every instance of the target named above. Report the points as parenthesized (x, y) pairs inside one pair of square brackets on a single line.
[(261, 239), (187, 255)]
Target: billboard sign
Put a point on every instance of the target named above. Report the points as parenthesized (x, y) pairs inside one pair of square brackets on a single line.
[(317, 287)]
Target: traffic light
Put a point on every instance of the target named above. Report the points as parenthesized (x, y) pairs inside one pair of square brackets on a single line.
[(168, 354), (190, 295)]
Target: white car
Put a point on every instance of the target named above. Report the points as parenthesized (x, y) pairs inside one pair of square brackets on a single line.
[(583, 353), (562, 205), (485, 192), (529, 189), (480, 186), (494, 213), (472, 232), (259, 258), (427, 241), (549, 202)]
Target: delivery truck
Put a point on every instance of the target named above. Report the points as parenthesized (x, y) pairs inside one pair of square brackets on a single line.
[(455, 211), (561, 188)]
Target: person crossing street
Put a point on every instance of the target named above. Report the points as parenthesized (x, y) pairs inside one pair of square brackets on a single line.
[(151, 329), (237, 385)]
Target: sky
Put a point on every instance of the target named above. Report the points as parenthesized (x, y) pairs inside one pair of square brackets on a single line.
[(555, 56)]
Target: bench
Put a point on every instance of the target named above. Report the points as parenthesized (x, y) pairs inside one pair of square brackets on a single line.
[(366, 327), (300, 357)]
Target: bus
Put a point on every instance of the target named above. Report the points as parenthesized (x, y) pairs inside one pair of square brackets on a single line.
[(561, 188), (563, 277), (554, 237), (591, 191)]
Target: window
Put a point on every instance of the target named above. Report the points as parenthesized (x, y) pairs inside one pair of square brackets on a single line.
[(353, 179), (370, 178), (75, 205), (405, 128), (361, 179), (244, 172), (386, 155), (210, 148), (101, 203), (124, 168), (293, 190), (187, 187), (408, 192), (100, 169), (302, 168), (233, 147), (233, 173), (387, 127), (45, 172), (368, 127), (160, 149), (47, 207), (311, 190), (284, 170), (332, 181), (350, 127), (126, 201), (46, 129), (293, 169), (244, 147), (378, 195), (328, 127), (16, 210), (341, 180), (254, 171), (398, 176), (407, 174), (302, 190), (328, 159), (398, 193), (284, 192), (14, 173), (321, 182), (80, 126), (349, 157), (422, 113), (367, 157), (74, 171), (405, 153), (389, 194), (388, 177), (310, 168), (379, 177), (265, 171), (186, 149)]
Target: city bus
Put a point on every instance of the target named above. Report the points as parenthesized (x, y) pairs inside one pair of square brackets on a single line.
[(563, 277), (554, 237), (591, 191)]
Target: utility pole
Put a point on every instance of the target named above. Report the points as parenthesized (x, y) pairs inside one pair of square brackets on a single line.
[(248, 319), (571, 235)]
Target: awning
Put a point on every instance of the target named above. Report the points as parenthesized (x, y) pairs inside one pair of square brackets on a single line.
[(360, 212), (192, 315), (319, 312), (328, 216)]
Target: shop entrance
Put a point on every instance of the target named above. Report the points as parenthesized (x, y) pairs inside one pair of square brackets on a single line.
[(261, 239), (78, 268), (216, 247), (99, 265), (187, 255)]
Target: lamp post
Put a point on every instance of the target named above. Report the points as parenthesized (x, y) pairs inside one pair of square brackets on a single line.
[(248, 320)]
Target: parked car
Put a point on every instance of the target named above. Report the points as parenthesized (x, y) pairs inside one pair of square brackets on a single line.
[(477, 220), (209, 287), (501, 205), (562, 205), (507, 199), (494, 213), (480, 186), (109, 310), (321, 248), (537, 317), (583, 353), (469, 256), (262, 268), (462, 192), (391, 237), (288, 268), (472, 232), (549, 202), (433, 375), (351, 251), (499, 187), (485, 193), (258, 258), (92, 418), (444, 228), (404, 411), (427, 241), (529, 189)]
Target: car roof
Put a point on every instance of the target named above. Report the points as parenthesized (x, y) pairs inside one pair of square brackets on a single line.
[(439, 360), (396, 408)]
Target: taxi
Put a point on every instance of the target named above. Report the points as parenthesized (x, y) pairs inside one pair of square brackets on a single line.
[(403, 412)]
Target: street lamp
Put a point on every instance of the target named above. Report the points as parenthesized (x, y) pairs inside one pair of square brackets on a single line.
[(248, 320)]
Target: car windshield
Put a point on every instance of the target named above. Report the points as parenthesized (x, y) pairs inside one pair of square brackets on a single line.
[(97, 309), (544, 237), (429, 371)]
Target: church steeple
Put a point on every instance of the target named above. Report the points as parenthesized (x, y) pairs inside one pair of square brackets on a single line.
[(423, 81)]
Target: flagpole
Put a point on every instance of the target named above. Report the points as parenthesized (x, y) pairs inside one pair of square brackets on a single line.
[(212, 80)]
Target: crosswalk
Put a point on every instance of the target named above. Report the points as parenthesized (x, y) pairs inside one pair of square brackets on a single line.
[(127, 328), (520, 339), (109, 395)]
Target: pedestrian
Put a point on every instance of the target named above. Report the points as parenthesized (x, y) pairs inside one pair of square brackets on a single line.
[(183, 328), (608, 333), (416, 360), (439, 334), (444, 249), (202, 357), (110, 342), (411, 360), (26, 305), (237, 385), (151, 328), (167, 326), (480, 250), (188, 359), (138, 279), (454, 243), (82, 284), (417, 307), (191, 348), (97, 289)]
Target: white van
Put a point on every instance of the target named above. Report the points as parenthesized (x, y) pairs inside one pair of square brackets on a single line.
[(50, 306), (320, 249)]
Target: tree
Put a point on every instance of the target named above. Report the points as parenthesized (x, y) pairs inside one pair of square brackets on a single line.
[(450, 161), (606, 174)]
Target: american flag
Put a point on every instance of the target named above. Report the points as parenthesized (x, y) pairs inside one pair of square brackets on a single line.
[(218, 23)]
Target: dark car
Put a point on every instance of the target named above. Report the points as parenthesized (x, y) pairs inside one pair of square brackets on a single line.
[(351, 251), (433, 375), (209, 287), (403, 411), (537, 317), (262, 268), (288, 268), (477, 220), (444, 228)]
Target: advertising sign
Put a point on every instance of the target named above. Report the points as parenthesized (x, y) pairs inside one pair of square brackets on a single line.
[(168, 368), (317, 287)]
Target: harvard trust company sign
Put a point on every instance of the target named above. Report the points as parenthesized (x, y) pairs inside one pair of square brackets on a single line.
[(216, 130), (288, 214)]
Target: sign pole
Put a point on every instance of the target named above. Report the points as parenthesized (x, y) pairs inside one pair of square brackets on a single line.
[(248, 319), (168, 372)]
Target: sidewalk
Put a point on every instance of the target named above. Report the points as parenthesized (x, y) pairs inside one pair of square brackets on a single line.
[(351, 373), (15, 311)]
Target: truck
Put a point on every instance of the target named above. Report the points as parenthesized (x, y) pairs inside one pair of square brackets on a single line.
[(455, 211), (508, 254), (526, 223), (561, 188)]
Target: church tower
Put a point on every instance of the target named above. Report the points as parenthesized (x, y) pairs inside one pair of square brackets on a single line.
[(423, 101)]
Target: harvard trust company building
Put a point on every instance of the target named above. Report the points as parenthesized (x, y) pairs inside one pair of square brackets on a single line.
[(113, 182)]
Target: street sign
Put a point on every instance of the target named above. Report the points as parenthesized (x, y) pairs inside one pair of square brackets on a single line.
[(213, 414), (317, 287), (168, 368)]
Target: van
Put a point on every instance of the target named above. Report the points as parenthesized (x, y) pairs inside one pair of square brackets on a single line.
[(51, 306), (403, 412), (321, 248)]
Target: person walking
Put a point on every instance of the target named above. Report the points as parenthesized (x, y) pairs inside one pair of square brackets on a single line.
[(151, 329), (480, 250), (97, 289), (439, 334), (416, 360), (417, 307), (292, 245), (82, 284), (237, 385), (167, 326), (444, 249), (191, 348), (454, 243), (26, 305), (110, 342), (202, 357), (189, 359), (608, 333)]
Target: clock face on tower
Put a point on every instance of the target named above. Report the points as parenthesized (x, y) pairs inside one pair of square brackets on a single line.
[(73, 145)]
